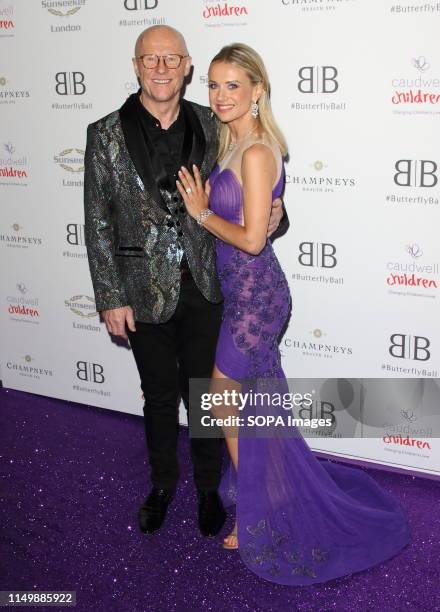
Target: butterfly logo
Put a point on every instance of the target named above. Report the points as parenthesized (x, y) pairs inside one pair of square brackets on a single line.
[(319, 555), (420, 63), (258, 529), (304, 571)]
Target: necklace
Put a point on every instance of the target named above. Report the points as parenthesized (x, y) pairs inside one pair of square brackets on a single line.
[(232, 145)]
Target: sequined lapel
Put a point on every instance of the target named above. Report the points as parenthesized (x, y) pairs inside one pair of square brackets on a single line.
[(196, 138)]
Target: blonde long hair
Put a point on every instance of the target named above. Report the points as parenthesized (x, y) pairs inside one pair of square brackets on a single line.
[(250, 61)]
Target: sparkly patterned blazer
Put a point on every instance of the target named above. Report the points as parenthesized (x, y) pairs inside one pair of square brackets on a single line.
[(137, 230)]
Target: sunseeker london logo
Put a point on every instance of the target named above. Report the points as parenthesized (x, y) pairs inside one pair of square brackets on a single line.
[(320, 177), (10, 93), (84, 308), (223, 14), (7, 21), (413, 276), (13, 166), (63, 11), (71, 161), (417, 93)]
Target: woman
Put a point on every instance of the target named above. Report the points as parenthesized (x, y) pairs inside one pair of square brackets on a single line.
[(300, 520)]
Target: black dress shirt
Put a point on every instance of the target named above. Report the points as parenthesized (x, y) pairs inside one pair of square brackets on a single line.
[(168, 146), (167, 143)]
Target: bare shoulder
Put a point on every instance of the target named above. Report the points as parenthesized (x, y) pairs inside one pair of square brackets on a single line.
[(258, 152), (259, 158)]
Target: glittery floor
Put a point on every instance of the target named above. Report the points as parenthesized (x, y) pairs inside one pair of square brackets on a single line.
[(71, 480)]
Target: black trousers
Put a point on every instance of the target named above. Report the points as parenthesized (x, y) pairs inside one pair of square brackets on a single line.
[(167, 356)]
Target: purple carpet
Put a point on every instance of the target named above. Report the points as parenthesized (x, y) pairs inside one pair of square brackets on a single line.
[(71, 480)]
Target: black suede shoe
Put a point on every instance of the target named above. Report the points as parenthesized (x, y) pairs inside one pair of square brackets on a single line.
[(212, 515), (152, 513)]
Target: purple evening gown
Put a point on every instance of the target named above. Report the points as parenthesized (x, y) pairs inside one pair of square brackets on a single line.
[(301, 519)]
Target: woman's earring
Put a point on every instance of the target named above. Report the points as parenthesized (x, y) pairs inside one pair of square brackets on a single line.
[(254, 110)]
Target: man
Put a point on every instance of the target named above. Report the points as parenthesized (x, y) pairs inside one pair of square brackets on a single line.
[(152, 265)]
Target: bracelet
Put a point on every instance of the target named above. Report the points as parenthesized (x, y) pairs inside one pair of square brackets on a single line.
[(202, 216)]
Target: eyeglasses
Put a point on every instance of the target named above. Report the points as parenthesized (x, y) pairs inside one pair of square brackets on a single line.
[(151, 60)]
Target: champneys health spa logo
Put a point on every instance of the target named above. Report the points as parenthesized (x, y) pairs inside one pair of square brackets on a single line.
[(28, 367), (17, 238), (13, 166), (72, 162), (316, 85), (309, 6), (90, 376), (413, 277), (320, 179), (74, 237), (22, 307), (7, 21), (84, 308), (316, 345), (419, 93), (417, 181), (10, 94), (224, 14)]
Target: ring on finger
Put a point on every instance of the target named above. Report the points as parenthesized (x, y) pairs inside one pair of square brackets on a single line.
[(188, 190)]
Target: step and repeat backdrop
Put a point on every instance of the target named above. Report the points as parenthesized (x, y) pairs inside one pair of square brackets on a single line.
[(356, 89)]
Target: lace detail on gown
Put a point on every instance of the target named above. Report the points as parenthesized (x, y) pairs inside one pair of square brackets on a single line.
[(301, 519)]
